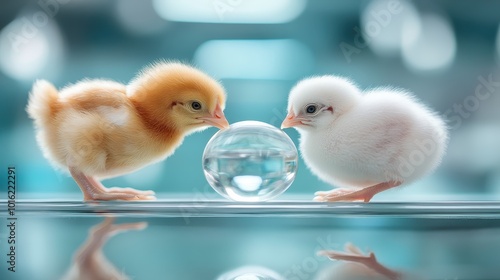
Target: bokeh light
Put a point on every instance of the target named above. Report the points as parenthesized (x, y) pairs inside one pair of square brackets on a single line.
[(430, 46), (383, 23), (31, 47), (139, 17), (281, 59), (230, 11)]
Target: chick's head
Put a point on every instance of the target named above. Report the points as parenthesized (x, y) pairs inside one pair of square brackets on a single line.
[(315, 103), (195, 110), (178, 97)]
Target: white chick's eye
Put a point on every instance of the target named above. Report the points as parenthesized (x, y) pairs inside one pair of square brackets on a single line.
[(195, 105), (311, 109)]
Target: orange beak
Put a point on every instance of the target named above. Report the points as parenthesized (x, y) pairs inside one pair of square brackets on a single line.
[(291, 120), (217, 118)]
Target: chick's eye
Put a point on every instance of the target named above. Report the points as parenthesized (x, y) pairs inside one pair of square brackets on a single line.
[(196, 105), (311, 109)]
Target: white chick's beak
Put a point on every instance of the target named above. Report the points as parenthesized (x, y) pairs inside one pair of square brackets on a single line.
[(217, 118), (292, 120)]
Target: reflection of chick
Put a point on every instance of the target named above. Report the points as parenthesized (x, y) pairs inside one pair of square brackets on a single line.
[(89, 262), (99, 129), (359, 266)]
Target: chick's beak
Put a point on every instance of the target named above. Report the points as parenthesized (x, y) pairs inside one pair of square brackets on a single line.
[(217, 118), (291, 120)]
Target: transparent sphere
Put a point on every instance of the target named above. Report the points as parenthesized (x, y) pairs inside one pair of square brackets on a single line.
[(250, 161), (250, 273)]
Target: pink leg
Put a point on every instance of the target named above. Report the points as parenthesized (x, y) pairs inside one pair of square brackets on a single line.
[(365, 194), (354, 254), (93, 190), (98, 235)]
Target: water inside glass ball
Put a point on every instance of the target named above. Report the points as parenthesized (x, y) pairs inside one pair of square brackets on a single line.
[(250, 162)]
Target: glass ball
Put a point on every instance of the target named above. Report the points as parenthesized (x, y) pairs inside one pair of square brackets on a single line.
[(250, 273), (250, 162)]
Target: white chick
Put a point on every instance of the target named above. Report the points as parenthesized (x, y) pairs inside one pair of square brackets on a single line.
[(364, 143), (98, 129)]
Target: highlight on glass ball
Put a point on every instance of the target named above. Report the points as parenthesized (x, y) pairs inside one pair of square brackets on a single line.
[(250, 162), (251, 273)]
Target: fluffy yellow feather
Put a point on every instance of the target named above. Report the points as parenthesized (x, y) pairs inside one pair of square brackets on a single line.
[(99, 129)]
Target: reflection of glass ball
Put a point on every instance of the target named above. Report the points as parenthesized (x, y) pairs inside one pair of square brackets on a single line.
[(250, 161), (250, 273)]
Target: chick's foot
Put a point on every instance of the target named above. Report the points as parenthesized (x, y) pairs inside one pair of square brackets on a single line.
[(364, 195), (92, 189), (130, 191), (354, 254), (116, 193), (108, 228)]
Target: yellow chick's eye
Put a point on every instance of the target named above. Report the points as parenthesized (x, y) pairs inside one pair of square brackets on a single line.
[(195, 105)]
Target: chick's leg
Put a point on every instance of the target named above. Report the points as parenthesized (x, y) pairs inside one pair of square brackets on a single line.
[(98, 235), (354, 254), (93, 190), (365, 194)]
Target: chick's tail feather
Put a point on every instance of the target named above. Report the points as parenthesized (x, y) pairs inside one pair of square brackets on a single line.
[(43, 102)]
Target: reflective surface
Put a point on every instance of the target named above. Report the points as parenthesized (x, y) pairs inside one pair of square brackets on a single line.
[(89, 262), (194, 240), (452, 210), (250, 161)]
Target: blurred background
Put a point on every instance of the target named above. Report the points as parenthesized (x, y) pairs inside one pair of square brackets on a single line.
[(445, 52)]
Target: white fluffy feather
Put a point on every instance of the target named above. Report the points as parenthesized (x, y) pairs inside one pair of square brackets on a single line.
[(359, 139)]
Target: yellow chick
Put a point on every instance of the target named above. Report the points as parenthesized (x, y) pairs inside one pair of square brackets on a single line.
[(98, 129)]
